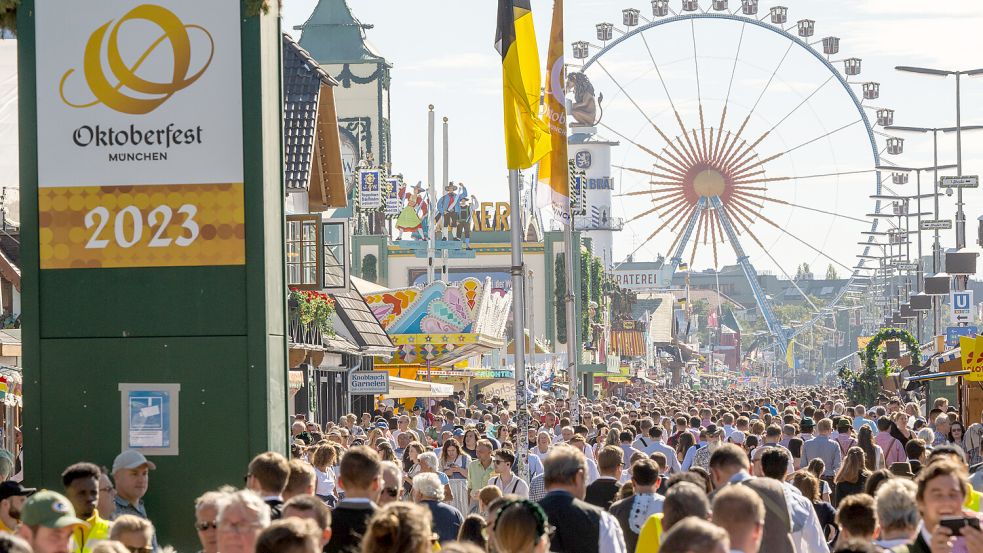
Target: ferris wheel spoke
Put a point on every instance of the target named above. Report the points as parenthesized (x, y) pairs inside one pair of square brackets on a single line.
[(661, 193), (647, 212), (822, 136), (820, 175), (639, 108), (801, 241), (713, 233), (730, 84), (790, 204), (676, 163), (736, 172), (771, 78), (696, 64), (696, 240), (690, 217), (790, 279), (672, 179)]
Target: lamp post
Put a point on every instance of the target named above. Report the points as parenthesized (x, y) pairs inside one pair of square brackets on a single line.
[(920, 282), (960, 215)]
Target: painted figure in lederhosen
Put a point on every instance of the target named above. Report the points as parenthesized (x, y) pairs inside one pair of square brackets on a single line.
[(464, 214), (447, 207)]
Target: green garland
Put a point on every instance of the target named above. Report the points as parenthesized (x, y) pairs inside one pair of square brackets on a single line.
[(864, 386)]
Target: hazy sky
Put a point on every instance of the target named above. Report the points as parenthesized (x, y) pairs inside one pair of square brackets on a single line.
[(442, 52)]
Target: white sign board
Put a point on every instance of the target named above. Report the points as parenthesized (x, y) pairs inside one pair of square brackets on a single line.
[(961, 304), (967, 181), (639, 279), (150, 417), (139, 133), (937, 225), (368, 382)]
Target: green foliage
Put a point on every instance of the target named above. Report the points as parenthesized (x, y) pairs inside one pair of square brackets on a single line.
[(803, 272), (585, 292), (597, 285), (560, 297), (831, 273), (370, 268), (864, 385), (314, 308)]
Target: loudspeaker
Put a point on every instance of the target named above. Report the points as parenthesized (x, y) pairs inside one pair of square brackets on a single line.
[(937, 285), (921, 302), (960, 263)]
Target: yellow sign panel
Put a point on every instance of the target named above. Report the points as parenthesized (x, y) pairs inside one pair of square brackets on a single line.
[(971, 350), (139, 134), (159, 226), (862, 341)]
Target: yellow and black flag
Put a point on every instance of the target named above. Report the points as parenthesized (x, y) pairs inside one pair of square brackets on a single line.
[(526, 135)]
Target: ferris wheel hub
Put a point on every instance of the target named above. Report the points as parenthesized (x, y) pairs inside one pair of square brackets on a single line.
[(709, 182)]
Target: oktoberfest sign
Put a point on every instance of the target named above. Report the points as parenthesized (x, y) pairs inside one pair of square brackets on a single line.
[(139, 124), (370, 188)]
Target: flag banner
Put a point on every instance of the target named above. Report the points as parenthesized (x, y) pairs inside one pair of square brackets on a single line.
[(393, 203), (370, 188), (554, 168), (790, 355), (526, 135)]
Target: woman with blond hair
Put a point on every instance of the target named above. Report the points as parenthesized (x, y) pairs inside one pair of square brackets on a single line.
[(852, 475), (323, 461), (399, 528)]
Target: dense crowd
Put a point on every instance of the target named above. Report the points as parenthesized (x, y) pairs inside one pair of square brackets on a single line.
[(801, 470)]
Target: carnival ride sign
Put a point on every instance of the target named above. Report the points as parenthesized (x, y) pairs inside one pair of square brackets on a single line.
[(139, 134)]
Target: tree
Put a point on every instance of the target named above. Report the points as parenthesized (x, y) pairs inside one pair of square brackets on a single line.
[(831, 273), (560, 297), (803, 272)]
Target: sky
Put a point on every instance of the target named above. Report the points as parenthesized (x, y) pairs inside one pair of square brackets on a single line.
[(442, 52)]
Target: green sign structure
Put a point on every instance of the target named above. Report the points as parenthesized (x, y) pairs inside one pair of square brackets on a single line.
[(152, 242)]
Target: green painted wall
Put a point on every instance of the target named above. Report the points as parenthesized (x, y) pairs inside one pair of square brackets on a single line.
[(217, 331)]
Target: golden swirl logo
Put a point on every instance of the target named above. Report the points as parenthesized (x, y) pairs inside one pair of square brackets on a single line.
[(130, 93)]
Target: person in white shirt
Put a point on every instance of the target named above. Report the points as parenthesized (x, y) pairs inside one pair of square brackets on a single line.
[(505, 480)]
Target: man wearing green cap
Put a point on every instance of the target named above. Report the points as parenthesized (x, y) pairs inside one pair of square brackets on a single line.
[(47, 522)]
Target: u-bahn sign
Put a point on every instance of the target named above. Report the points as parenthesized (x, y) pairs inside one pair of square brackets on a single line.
[(139, 135)]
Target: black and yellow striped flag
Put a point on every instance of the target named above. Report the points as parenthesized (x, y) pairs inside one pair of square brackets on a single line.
[(526, 135)]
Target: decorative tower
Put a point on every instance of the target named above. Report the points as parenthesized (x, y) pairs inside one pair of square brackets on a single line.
[(337, 41), (592, 154)]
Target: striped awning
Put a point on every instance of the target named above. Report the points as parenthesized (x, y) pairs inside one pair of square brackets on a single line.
[(628, 343)]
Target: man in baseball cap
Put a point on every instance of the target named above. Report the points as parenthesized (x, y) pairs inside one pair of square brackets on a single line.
[(131, 472), (48, 522), (12, 498)]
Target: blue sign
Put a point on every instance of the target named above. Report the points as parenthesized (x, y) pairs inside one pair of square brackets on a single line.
[(952, 334), (583, 159), (149, 418)]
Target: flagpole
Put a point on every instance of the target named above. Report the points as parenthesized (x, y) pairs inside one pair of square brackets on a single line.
[(573, 328), (431, 195), (518, 327), (445, 182)]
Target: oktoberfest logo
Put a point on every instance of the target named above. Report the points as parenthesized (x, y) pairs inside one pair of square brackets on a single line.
[(125, 89)]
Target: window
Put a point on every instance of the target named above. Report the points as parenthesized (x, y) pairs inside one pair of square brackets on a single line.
[(303, 238), (334, 234)]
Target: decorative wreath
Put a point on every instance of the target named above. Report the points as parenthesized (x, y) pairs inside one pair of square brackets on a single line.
[(863, 386)]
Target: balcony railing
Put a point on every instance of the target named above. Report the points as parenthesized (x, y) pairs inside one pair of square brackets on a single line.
[(303, 334)]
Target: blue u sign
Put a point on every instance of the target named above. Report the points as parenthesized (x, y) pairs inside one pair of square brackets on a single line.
[(960, 300)]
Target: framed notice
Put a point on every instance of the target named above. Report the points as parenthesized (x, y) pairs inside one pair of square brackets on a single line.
[(150, 418), (393, 204), (140, 139), (370, 188)]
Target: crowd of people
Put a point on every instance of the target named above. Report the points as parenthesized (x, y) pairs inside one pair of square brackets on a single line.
[(801, 470)]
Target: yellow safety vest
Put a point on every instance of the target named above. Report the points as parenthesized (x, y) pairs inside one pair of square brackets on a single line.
[(84, 539), (973, 500), (651, 535)]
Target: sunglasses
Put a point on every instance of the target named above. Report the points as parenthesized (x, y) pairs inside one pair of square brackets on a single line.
[(139, 549), (391, 492), (202, 526)]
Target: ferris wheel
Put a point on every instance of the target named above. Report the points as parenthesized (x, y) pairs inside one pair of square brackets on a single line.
[(744, 132)]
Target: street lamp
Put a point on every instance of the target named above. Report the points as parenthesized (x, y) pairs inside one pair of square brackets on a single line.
[(960, 215)]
